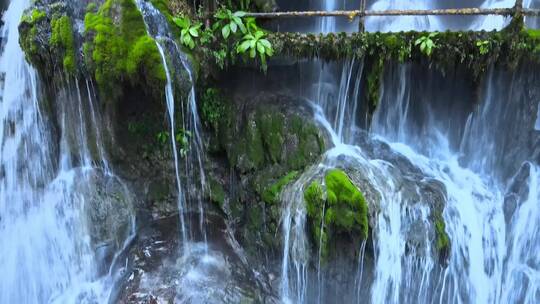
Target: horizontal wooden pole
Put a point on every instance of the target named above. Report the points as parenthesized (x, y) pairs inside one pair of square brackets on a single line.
[(368, 13)]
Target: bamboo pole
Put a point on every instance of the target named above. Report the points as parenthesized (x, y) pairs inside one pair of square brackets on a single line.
[(435, 12)]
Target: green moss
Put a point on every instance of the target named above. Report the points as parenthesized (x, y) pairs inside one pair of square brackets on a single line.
[(314, 198), (254, 149), (119, 48), (62, 40), (38, 15), (217, 194), (29, 32), (315, 204), (212, 109), (348, 205), (310, 143), (344, 209), (91, 7), (508, 47), (272, 131), (271, 194), (374, 79), (442, 241), (33, 16)]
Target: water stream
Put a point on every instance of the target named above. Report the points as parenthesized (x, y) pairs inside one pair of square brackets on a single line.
[(48, 193), (465, 162)]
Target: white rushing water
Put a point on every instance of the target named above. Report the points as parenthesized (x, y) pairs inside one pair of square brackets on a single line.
[(493, 257), (188, 129), (49, 251), (201, 272)]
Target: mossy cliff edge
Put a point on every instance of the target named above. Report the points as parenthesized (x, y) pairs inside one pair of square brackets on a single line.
[(113, 48)]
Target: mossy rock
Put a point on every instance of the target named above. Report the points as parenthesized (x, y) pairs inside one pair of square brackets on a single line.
[(216, 193), (338, 207), (118, 48), (267, 136), (442, 240), (63, 42), (32, 29), (271, 194)]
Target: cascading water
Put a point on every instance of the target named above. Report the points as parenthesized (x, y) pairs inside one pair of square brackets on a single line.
[(49, 197), (200, 271), (417, 157), (157, 27)]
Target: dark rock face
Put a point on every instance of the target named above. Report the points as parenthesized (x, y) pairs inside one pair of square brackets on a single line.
[(261, 139)]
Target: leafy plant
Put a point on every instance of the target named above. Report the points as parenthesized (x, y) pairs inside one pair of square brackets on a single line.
[(483, 46), (212, 108), (427, 43), (182, 138), (251, 25), (188, 31), (256, 43), (163, 137), (229, 22)]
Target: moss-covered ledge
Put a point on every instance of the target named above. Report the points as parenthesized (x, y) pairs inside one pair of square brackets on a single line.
[(118, 48), (475, 50)]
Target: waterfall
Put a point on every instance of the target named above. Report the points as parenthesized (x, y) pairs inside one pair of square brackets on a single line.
[(201, 271), (438, 23), (424, 149), (49, 198), (157, 27)]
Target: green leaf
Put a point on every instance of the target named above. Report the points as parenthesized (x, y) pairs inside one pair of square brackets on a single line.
[(242, 48), (422, 46), (252, 52), (263, 61), (194, 32), (233, 26), (266, 43), (269, 52), (221, 14), (259, 34), (226, 31), (260, 48), (239, 14), (237, 20), (181, 22)]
